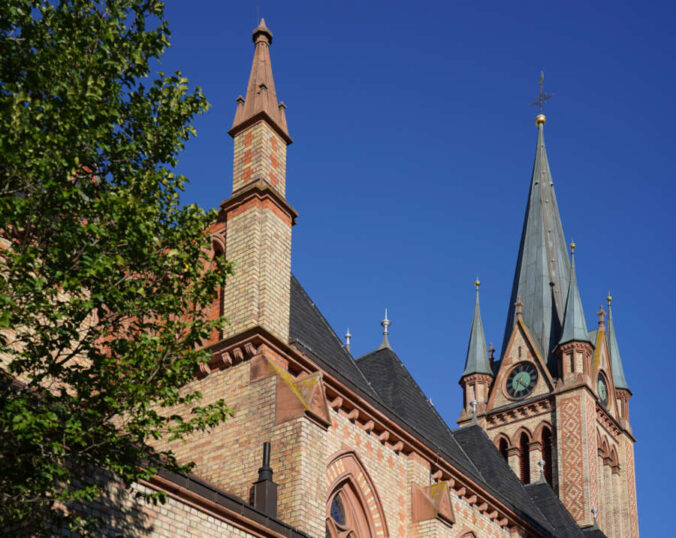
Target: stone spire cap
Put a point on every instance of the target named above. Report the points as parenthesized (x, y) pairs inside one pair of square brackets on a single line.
[(542, 268), (477, 361), (574, 324), (262, 30), (261, 98), (615, 360)]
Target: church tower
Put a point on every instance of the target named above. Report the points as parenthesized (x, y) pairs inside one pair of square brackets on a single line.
[(557, 399)]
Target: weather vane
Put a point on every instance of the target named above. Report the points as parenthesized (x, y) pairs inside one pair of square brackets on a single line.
[(542, 96)]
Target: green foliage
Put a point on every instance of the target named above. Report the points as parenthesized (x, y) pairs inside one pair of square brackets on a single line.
[(104, 276)]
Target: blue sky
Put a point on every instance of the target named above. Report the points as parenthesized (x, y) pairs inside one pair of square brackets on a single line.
[(413, 147)]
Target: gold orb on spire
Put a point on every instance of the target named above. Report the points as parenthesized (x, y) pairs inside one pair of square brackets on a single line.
[(477, 283), (572, 246), (540, 119), (609, 298)]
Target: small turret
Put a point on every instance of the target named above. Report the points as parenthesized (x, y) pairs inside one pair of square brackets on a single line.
[(478, 374), (621, 387), (575, 347)]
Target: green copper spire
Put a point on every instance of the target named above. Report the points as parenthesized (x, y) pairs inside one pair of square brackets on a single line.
[(574, 324), (542, 267), (477, 361), (615, 359)]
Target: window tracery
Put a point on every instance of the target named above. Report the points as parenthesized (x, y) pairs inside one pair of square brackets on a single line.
[(346, 516)]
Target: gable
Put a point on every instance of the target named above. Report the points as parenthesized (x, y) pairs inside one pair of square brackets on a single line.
[(519, 350)]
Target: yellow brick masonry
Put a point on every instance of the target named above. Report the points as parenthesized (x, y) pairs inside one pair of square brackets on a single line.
[(258, 240), (229, 456), (393, 475), (259, 153), (125, 515)]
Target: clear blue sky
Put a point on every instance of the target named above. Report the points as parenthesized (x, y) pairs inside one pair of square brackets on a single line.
[(411, 165)]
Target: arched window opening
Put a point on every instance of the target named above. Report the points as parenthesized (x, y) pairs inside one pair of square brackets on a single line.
[(502, 447), (524, 459), (547, 453), (346, 516), (217, 308)]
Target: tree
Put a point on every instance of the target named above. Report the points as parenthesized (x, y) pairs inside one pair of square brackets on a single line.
[(104, 276)]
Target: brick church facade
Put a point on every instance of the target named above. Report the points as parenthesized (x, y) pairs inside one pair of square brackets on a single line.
[(325, 444)]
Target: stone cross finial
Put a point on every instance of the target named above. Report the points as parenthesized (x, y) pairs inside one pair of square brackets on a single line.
[(491, 351), (602, 317), (518, 307)]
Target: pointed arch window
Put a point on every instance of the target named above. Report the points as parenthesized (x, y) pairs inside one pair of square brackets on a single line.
[(346, 515), (524, 459), (502, 447), (547, 453), (353, 508)]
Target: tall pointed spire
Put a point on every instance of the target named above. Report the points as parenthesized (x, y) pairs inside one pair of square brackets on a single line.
[(574, 324), (615, 360), (477, 361), (542, 267), (261, 98)]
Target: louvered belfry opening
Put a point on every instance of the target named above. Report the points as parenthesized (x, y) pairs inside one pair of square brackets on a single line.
[(547, 453), (524, 459)]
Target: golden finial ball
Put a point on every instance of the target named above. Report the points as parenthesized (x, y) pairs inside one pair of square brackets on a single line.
[(609, 298), (477, 283), (572, 246), (540, 119)]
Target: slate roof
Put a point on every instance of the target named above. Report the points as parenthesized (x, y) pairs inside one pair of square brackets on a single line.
[(497, 473), (382, 379), (615, 360), (469, 449), (574, 324), (309, 329), (542, 267), (400, 393), (548, 502), (477, 361), (593, 532)]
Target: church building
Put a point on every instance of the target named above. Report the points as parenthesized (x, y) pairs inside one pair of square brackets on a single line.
[(326, 444)]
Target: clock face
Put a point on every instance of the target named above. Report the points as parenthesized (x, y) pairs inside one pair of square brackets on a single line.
[(521, 380), (603, 390)]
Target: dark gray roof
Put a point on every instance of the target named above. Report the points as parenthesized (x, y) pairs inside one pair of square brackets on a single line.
[(574, 324), (615, 360), (496, 471), (542, 267), (552, 507), (309, 329), (468, 448), (400, 393), (593, 532), (477, 361), (385, 381)]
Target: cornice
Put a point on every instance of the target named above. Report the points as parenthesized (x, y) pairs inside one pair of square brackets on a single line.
[(258, 189), (261, 116)]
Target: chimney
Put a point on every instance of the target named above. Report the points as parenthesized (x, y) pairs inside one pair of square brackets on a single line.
[(264, 489)]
